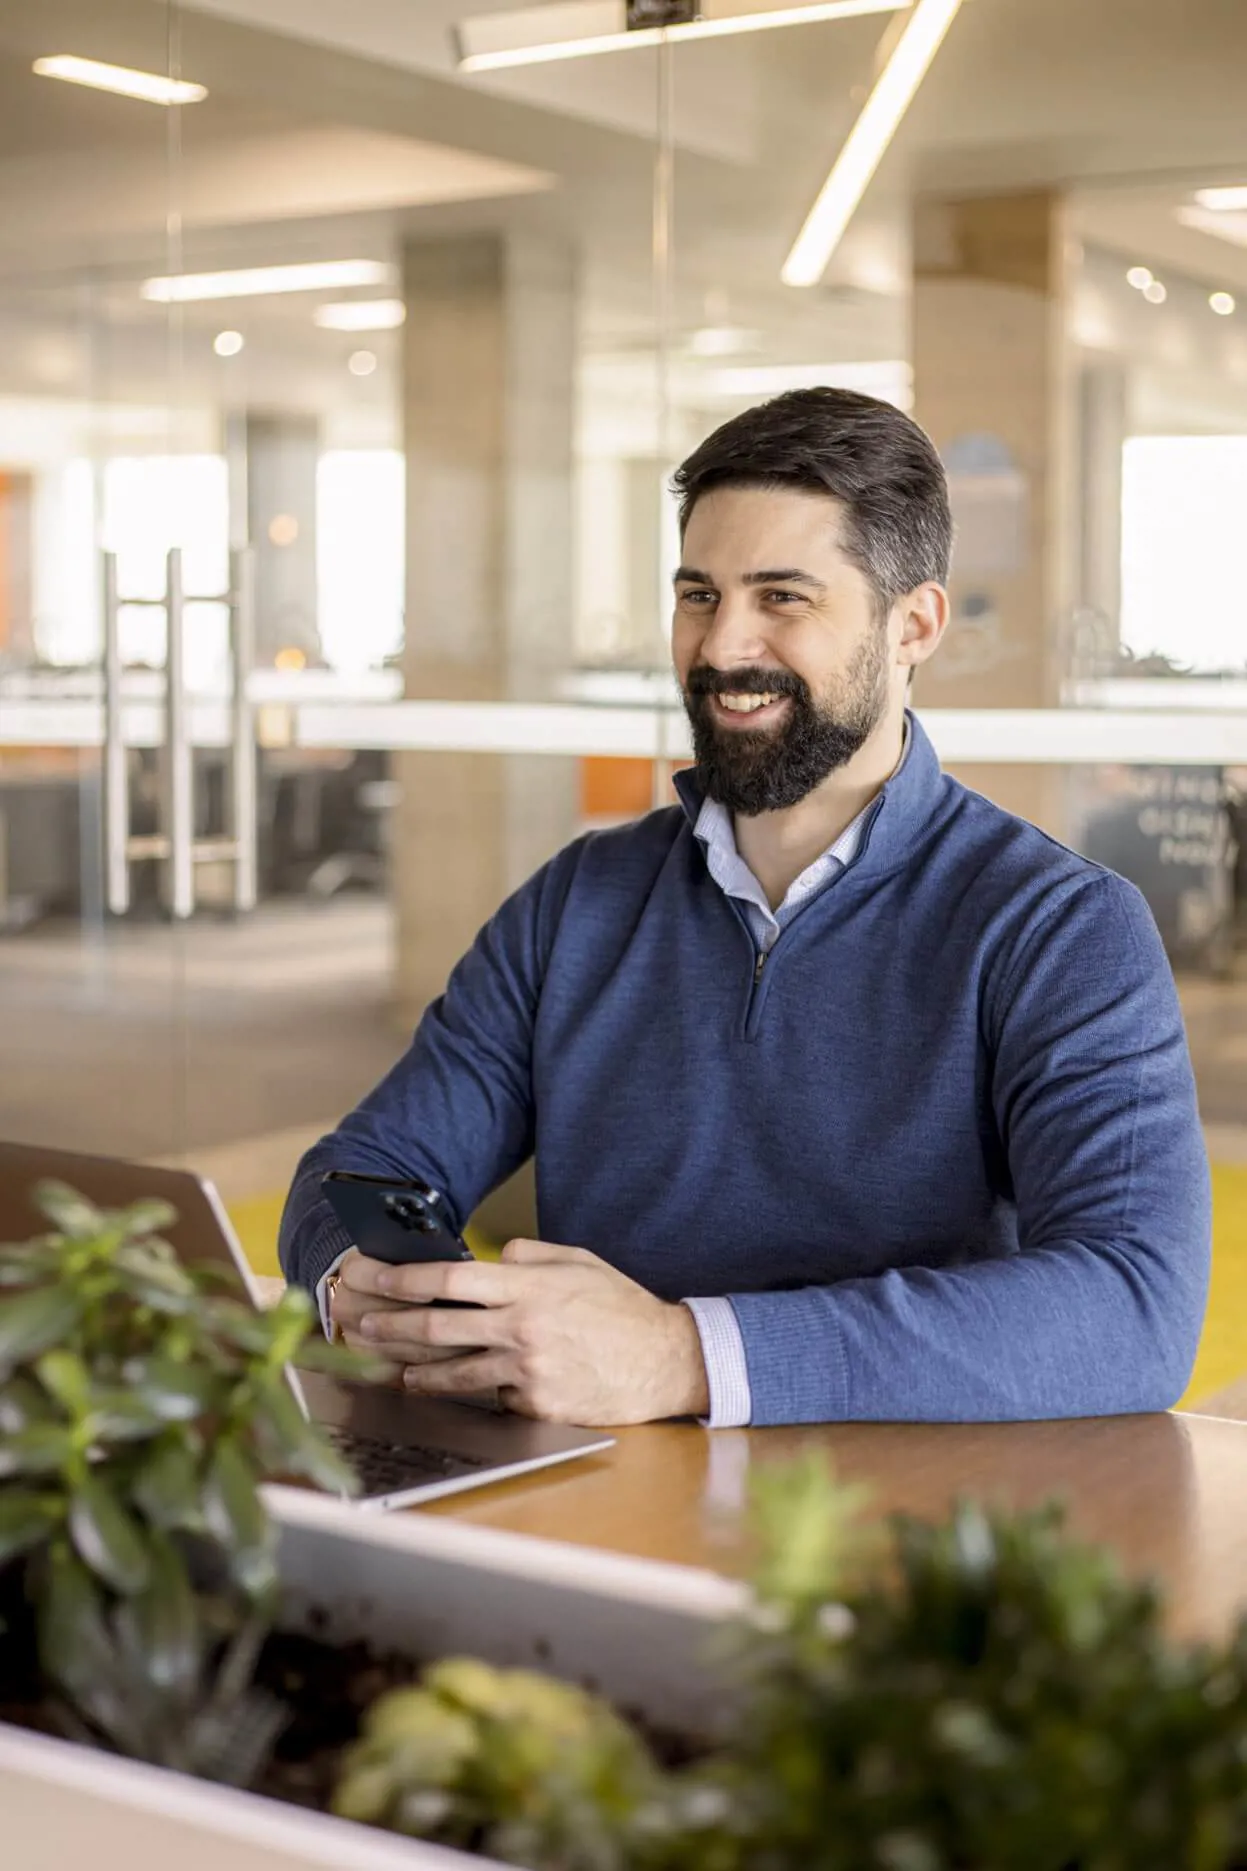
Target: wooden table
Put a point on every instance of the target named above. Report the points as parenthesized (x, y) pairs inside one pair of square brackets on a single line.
[(1167, 1493)]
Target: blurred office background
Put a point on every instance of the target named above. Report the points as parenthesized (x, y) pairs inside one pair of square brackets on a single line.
[(368, 371)]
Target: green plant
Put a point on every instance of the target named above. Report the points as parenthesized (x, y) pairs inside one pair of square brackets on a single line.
[(513, 1764), (995, 1694), (142, 1403)]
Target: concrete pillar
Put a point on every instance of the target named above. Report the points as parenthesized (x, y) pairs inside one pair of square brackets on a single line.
[(489, 354), (993, 387)]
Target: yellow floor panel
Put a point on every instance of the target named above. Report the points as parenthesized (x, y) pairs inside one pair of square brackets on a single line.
[(1223, 1348), (1222, 1353)]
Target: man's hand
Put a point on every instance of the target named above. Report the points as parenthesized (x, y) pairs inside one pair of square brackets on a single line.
[(560, 1334)]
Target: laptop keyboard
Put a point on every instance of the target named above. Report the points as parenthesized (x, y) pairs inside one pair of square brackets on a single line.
[(388, 1467)]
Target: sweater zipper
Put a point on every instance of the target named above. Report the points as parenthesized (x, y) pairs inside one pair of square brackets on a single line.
[(759, 965)]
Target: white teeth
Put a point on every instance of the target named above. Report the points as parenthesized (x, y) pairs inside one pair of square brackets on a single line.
[(746, 704)]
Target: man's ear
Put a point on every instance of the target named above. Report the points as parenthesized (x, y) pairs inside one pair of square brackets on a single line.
[(923, 615)]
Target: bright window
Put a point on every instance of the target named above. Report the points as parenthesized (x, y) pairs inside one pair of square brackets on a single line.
[(1183, 596)]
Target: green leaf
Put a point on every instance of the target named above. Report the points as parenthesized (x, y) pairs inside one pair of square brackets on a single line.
[(154, 1282), (76, 1647), (25, 1521), (69, 1211), (297, 1447), (107, 1538), (36, 1321), (147, 1217), (40, 1449), (167, 1486), (65, 1377), (119, 1416), (172, 1392), (238, 1324), (288, 1323), (32, 1265), (22, 1402), (235, 1514), (161, 1624)]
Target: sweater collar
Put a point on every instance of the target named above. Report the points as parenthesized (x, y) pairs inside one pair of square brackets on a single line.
[(897, 815)]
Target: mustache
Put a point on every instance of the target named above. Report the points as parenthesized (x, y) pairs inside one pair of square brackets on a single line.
[(702, 680)]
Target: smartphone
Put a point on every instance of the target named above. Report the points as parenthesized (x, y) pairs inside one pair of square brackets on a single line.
[(397, 1221)]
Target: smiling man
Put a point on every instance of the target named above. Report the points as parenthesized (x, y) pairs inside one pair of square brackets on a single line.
[(851, 1095)]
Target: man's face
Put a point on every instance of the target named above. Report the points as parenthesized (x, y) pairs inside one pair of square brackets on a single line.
[(778, 644)]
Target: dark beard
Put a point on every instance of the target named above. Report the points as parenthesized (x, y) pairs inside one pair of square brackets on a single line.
[(773, 769)]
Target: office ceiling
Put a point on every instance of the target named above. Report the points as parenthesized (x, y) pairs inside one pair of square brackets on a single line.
[(333, 126)]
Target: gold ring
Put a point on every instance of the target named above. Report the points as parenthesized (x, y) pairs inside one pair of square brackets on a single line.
[(336, 1335)]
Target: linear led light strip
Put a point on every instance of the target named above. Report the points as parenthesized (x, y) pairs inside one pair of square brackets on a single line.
[(868, 140), (583, 28), (149, 86), (258, 281)]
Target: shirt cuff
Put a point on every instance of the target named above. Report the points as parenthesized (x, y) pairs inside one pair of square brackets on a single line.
[(727, 1370), (322, 1293)]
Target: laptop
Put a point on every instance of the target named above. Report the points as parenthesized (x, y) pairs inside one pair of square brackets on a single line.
[(405, 1449)]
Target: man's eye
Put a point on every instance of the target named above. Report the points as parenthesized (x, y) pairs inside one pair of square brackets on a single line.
[(698, 597), (783, 597)]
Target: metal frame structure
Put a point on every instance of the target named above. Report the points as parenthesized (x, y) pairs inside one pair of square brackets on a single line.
[(175, 844)]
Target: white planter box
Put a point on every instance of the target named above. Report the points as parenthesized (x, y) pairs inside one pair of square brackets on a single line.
[(638, 1631)]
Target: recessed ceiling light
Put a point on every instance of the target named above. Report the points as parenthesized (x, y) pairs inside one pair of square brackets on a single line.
[(1155, 294), (228, 343), (1140, 277), (1222, 200), (257, 281), (582, 28), (361, 363), (149, 86), (361, 315), (1224, 304)]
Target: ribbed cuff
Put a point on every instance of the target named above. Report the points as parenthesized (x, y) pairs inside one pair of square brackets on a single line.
[(727, 1370)]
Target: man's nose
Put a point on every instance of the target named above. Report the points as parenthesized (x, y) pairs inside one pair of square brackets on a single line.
[(733, 637)]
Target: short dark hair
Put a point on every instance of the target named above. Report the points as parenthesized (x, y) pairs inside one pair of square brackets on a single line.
[(866, 454)]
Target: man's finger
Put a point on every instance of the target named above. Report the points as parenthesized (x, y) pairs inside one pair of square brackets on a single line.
[(545, 1254), (437, 1328), (471, 1282), (398, 1354), (461, 1377)]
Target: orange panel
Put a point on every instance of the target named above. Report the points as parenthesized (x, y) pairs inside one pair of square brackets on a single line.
[(615, 787), (6, 566)]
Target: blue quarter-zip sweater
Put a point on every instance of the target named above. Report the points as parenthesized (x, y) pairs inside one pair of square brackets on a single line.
[(941, 1151)]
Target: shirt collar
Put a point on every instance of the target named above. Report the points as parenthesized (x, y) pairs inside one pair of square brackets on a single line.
[(893, 820)]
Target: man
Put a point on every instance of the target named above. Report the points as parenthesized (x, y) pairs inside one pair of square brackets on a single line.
[(851, 1096)]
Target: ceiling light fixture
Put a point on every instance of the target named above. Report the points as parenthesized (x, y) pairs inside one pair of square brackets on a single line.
[(228, 343), (583, 28), (1222, 200), (257, 281), (868, 140), (361, 315), (1224, 304), (148, 86), (1140, 277), (1155, 294), (361, 363), (1222, 225)]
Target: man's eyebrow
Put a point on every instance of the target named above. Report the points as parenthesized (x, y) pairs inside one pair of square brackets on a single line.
[(785, 575)]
